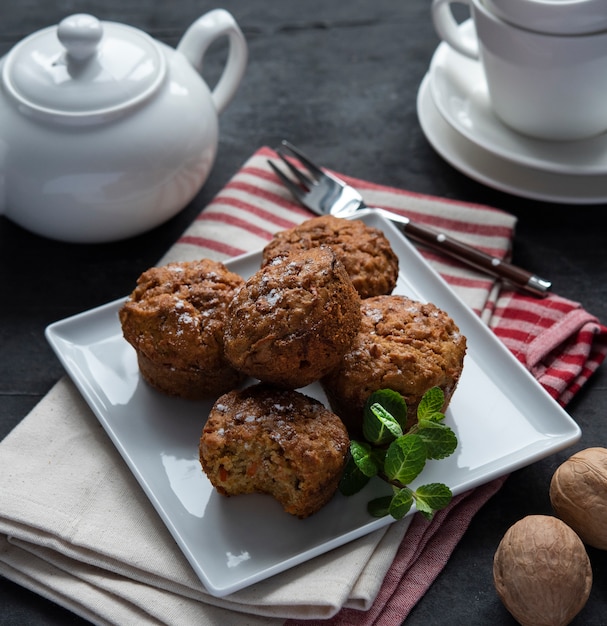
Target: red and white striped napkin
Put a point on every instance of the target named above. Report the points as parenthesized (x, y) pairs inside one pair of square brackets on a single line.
[(76, 527)]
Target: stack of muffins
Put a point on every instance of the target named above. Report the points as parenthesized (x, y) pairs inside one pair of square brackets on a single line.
[(319, 309)]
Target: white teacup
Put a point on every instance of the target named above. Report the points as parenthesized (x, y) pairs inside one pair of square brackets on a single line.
[(548, 86), (561, 17)]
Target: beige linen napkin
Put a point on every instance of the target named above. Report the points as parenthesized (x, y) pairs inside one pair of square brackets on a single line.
[(77, 528)]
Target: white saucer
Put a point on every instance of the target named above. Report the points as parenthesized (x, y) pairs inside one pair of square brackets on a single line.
[(460, 92), (497, 172)]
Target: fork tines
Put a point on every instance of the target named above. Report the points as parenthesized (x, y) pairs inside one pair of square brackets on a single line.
[(312, 167), (306, 181), (293, 187)]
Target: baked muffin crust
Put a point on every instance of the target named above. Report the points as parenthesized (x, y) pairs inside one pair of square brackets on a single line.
[(293, 320), (403, 345), (364, 250), (175, 319)]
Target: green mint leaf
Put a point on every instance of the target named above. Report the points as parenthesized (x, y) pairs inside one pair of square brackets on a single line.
[(383, 429), (352, 479), (364, 458), (375, 426), (379, 456), (400, 462), (401, 503), (392, 401), (426, 510), (431, 498), (405, 459), (380, 507), (440, 440), (374, 431), (386, 418), (434, 418), (432, 402)]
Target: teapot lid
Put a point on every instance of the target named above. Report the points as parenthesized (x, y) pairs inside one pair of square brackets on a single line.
[(83, 68)]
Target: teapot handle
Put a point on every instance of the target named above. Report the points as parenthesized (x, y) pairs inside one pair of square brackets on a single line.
[(196, 41)]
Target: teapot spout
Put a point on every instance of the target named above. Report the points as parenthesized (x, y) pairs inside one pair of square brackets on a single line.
[(196, 41)]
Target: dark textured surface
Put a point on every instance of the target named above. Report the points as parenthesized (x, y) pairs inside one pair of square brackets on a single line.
[(340, 81)]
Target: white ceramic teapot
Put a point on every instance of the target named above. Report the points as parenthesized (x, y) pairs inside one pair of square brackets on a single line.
[(105, 132)]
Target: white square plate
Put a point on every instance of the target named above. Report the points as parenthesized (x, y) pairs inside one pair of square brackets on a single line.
[(501, 415)]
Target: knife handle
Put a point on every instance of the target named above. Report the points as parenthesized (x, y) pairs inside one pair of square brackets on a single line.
[(447, 245)]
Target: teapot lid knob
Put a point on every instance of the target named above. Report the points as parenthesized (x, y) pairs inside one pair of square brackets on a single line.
[(80, 34)]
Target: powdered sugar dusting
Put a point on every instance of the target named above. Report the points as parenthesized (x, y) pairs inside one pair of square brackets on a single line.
[(185, 319)]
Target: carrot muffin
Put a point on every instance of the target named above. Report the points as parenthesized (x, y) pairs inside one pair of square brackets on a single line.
[(403, 345), (175, 321), (276, 442), (365, 251), (293, 320)]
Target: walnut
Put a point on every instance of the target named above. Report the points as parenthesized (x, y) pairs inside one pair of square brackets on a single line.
[(578, 492), (541, 572)]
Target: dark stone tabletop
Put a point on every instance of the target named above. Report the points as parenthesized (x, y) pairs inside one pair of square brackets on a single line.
[(339, 79)]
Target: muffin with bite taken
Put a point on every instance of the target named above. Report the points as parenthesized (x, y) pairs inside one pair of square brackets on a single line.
[(276, 442)]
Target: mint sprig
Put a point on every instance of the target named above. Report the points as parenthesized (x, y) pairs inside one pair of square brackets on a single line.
[(398, 457)]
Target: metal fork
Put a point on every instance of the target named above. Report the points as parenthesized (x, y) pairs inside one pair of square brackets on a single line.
[(325, 194)]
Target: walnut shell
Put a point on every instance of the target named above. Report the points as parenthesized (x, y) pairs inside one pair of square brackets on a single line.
[(541, 572), (578, 492)]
